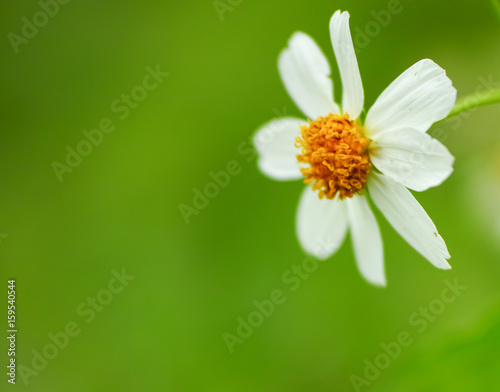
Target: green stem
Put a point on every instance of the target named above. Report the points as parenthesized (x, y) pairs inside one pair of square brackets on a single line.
[(474, 101), (496, 6)]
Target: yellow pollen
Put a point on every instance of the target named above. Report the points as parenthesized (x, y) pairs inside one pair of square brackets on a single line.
[(337, 154)]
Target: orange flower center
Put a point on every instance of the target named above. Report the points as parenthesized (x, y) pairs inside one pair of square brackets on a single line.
[(337, 154)]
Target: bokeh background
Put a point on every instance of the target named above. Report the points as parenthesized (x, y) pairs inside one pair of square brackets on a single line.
[(119, 208)]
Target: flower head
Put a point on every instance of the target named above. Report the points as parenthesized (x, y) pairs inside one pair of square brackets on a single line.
[(343, 159)]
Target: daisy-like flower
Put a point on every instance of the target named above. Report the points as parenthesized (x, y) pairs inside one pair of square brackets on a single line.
[(343, 160)]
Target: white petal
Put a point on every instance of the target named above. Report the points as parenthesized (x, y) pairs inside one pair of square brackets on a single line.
[(321, 224), (422, 95), (366, 240), (412, 158), (409, 219), (353, 95), (275, 143), (306, 73)]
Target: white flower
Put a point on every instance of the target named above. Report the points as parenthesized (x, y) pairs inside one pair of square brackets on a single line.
[(346, 160)]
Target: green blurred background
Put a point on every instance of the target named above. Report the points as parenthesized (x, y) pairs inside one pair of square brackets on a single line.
[(120, 207)]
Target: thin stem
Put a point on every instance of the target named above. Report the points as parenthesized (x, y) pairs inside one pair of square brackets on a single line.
[(474, 101), (496, 6)]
